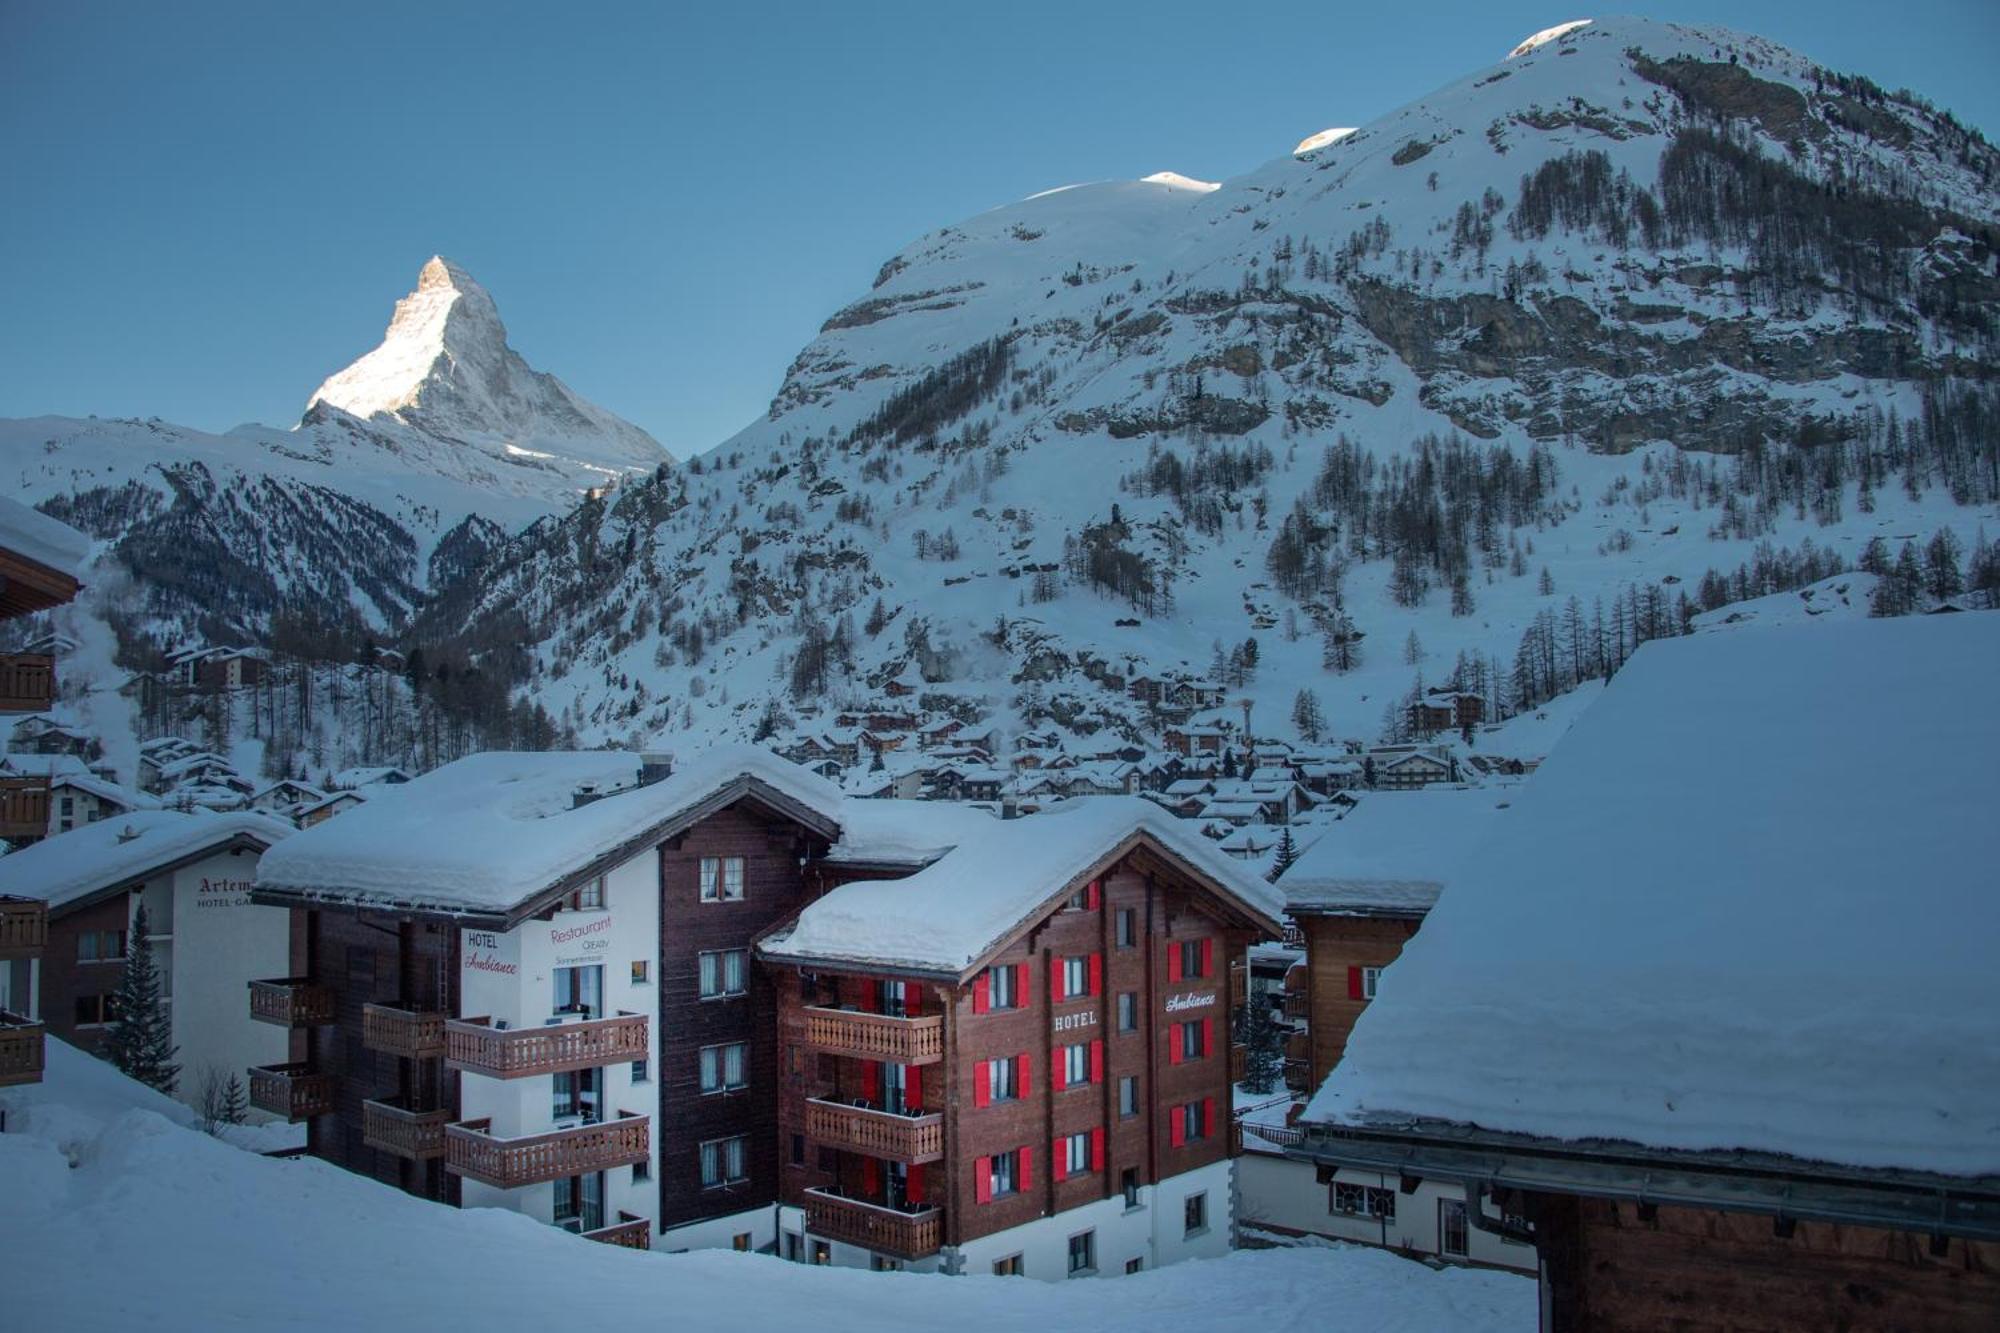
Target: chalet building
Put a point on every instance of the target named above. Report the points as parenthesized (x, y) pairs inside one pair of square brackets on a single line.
[(76, 799), (193, 875), (1444, 710), (286, 798), (318, 812), (906, 683), (42, 735), (217, 668), (1358, 894), (1407, 768), (358, 779), (40, 561), (1191, 742), (1742, 1078), (1016, 1060)]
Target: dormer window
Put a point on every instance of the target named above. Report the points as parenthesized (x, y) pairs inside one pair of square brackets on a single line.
[(587, 897)]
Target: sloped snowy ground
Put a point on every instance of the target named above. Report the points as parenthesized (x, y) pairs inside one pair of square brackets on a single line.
[(113, 1216)]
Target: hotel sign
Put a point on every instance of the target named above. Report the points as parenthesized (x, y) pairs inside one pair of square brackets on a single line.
[(1191, 1000), (582, 944)]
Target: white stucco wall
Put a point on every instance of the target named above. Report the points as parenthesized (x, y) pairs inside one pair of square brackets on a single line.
[(220, 942)]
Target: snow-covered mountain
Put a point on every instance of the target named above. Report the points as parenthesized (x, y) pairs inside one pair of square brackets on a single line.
[(1637, 305), (446, 370)]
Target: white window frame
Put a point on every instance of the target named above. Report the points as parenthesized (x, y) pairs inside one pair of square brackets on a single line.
[(722, 879), (724, 1067), (1369, 977), (1089, 1264), (714, 979), (1004, 1173), (1076, 1064), (1076, 975), (1076, 1153), (1001, 992), (1000, 1084)]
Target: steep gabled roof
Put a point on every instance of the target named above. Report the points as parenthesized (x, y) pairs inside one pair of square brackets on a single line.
[(75, 868)]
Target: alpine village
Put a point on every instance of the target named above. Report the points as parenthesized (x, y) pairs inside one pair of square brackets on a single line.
[(1398, 740)]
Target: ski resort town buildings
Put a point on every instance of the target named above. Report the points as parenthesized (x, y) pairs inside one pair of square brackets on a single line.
[(723, 1008), (1740, 1066), (39, 563)]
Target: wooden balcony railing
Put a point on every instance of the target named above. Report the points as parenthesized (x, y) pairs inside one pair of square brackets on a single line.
[(474, 1045), (416, 1136), (885, 1134), (291, 1002), (1298, 1046), (1298, 1004), (21, 1047), (291, 1092), (903, 1041), (1239, 1062), (24, 927), (1239, 985), (1298, 1075), (884, 1230), (396, 1029), (470, 1150), (27, 682), (24, 808), (630, 1231)]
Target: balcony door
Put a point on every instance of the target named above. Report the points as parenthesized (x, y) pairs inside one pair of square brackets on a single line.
[(580, 991), (895, 1087), (578, 1096), (579, 1204)]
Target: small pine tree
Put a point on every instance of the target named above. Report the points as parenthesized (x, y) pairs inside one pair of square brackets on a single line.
[(1547, 584), (1285, 856), (1263, 1046), (1307, 715), (141, 1041), (235, 1102)]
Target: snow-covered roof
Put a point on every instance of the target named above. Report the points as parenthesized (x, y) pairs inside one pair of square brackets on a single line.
[(347, 779), (35, 536), (1393, 851), (490, 831), (105, 791), (99, 856), (1747, 904), (49, 766), (915, 833), (943, 918)]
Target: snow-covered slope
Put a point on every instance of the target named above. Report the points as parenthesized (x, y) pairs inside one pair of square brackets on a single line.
[(446, 369), (1589, 323)]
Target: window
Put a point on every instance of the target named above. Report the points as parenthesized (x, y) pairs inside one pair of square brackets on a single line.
[(1128, 1185), (1128, 1011), (1193, 1122), (641, 1072), (579, 1204), (723, 1068), (1128, 1095), (1451, 1227), (1076, 1064), (1004, 987), (798, 1150), (641, 1172), (641, 974), (1192, 954), (576, 1095), (1004, 1174), (1078, 901), (883, 1264), (1076, 975), (1076, 1154), (724, 972), (1134, 1266), (722, 879), (1011, 1266), (1369, 976), (722, 1162), (822, 1253), (1194, 1214), (585, 897), (1364, 1201), (1194, 1039), (794, 1246), (100, 946), (94, 1009), (1083, 1253), (740, 1241), (1128, 927), (580, 991), (1001, 1081)]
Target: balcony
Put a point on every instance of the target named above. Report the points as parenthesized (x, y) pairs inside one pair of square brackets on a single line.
[(291, 1092), (476, 1046), (24, 808), (1239, 1062), (902, 1041), (1298, 1075), (27, 682), (891, 1231), (398, 1029), (1298, 1004), (291, 1002), (630, 1232), (415, 1136), (1298, 1046), (20, 1050), (471, 1150), (24, 927), (885, 1134)]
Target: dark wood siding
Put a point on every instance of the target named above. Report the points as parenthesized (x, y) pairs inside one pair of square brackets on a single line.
[(64, 979)]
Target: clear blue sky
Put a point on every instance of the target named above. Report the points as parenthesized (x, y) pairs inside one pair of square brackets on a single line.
[(207, 208)]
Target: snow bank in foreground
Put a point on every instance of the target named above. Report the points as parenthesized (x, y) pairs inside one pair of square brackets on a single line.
[(1748, 903), (128, 1219)]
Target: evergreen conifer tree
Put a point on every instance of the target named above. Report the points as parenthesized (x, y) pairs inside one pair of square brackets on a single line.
[(1263, 1046), (141, 1041), (1287, 853)]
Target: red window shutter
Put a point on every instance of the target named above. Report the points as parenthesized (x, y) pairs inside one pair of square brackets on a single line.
[(1208, 957), (1027, 1176), (913, 998), (982, 993), (1173, 961), (1058, 1071), (1174, 1040), (1177, 1127), (913, 1086), (1055, 980), (1097, 1062), (1021, 1081), (982, 1179), (982, 1084), (875, 989), (1097, 1148), (1353, 983), (871, 1081), (913, 1185), (871, 1175), (1024, 996), (1097, 974), (1059, 1160), (1096, 895)]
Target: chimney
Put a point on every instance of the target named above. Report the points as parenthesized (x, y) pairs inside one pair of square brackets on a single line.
[(584, 795), (127, 834), (653, 766)]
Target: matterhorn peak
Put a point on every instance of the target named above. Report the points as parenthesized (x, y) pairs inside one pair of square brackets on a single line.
[(445, 368)]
